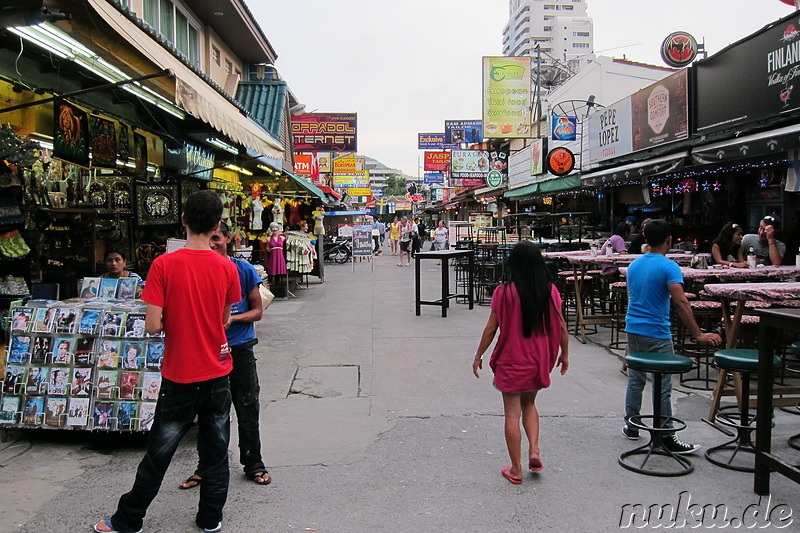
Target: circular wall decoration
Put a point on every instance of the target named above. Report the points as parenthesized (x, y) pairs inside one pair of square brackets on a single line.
[(494, 178), (560, 161), (679, 49)]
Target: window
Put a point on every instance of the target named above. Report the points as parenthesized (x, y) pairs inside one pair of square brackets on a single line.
[(215, 54), (228, 66), (580, 45), (567, 8), (580, 34), (238, 73), (548, 28), (173, 25)]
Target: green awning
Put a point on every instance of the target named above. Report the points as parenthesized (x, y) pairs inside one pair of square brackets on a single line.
[(520, 192), (563, 183), (307, 185)]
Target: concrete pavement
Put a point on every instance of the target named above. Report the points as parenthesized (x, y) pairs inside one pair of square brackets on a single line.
[(372, 421)]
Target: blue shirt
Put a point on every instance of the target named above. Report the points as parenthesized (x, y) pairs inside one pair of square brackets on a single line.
[(241, 332), (649, 278)]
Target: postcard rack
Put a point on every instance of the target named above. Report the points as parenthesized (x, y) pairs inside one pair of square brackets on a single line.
[(80, 364)]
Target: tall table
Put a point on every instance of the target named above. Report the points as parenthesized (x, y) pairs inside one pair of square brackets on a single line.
[(445, 256), (772, 321)]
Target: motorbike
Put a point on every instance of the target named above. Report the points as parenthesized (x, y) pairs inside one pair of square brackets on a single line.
[(338, 251)]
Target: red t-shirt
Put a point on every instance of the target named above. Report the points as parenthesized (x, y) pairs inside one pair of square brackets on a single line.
[(193, 287)]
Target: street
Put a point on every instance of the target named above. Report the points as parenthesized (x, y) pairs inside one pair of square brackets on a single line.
[(372, 421)]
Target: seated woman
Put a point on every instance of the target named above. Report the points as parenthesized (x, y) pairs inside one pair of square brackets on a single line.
[(115, 265), (726, 249), (617, 241)]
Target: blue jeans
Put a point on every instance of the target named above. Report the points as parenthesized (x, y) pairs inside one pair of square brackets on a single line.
[(244, 390), (637, 378), (178, 404)]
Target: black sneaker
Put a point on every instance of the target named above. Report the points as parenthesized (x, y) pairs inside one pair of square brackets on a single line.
[(673, 444), (631, 433)]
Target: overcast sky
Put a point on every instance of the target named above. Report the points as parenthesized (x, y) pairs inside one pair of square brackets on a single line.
[(406, 66)]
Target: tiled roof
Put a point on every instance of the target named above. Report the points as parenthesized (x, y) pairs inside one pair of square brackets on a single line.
[(264, 101)]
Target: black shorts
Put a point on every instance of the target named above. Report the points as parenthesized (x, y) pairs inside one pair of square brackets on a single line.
[(405, 246)]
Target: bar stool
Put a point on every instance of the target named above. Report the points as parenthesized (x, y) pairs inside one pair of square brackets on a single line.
[(619, 307), (656, 364), (707, 315), (745, 362)]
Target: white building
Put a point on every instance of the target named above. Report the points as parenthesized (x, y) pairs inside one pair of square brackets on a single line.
[(561, 29)]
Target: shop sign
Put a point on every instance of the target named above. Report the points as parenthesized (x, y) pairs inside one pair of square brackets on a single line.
[(430, 141), (71, 133), (414, 197), (752, 80), (560, 161), (313, 132), (537, 157), (610, 132), (463, 131), (506, 97), (349, 166), (494, 178), (359, 191), (437, 161), (564, 127), (661, 112), (679, 49), (377, 193), (468, 182), (350, 181), (324, 161), (199, 162), (434, 177), (302, 164), (470, 163)]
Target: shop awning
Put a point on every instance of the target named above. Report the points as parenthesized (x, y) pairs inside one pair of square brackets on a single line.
[(488, 191), (771, 142), (328, 190), (307, 185), (193, 93), (564, 183), (637, 170), (520, 192)]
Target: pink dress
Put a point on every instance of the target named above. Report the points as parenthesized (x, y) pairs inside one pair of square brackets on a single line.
[(277, 261), (521, 364)]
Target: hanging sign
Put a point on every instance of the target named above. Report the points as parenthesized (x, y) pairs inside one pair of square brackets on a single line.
[(560, 161), (679, 49), (565, 128), (494, 178)]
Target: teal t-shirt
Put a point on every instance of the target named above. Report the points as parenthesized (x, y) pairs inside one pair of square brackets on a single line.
[(648, 295)]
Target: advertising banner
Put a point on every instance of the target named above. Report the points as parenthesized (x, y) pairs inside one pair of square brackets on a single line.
[(661, 112), (537, 157), (302, 164), (610, 132), (350, 166), (436, 161), (430, 141), (324, 161), (564, 128), (463, 131), (750, 81), (359, 191), (350, 181), (434, 177), (468, 182), (478, 163), (506, 97), (314, 132)]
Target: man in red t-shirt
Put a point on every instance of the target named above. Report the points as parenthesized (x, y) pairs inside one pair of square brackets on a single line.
[(189, 295)]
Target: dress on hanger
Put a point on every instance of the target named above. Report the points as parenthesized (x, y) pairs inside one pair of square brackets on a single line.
[(277, 259)]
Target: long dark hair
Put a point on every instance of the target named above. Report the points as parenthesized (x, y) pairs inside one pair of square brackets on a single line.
[(533, 280), (725, 239)]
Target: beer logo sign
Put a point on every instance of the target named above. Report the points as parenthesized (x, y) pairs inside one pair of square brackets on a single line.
[(679, 49), (560, 161)]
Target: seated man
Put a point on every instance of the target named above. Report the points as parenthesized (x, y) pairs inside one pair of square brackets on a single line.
[(768, 250)]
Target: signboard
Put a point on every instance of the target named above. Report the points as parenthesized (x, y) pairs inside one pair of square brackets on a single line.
[(349, 166), (470, 163), (463, 131), (679, 49), (199, 162), (564, 128), (494, 178), (324, 161), (506, 97), (350, 181), (537, 157), (750, 81), (377, 193), (314, 132), (467, 182), (560, 161), (434, 177), (430, 141), (359, 191), (437, 161), (610, 132), (661, 112), (302, 164)]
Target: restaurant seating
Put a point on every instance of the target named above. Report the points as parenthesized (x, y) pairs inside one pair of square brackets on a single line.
[(656, 364), (707, 314), (745, 362), (619, 308)]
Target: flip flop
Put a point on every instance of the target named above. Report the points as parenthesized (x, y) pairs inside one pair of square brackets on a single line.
[(261, 478), (109, 528), (190, 482), (513, 480), (535, 464)]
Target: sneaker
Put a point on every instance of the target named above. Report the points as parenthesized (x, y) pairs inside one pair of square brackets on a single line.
[(216, 529), (631, 433), (675, 445)]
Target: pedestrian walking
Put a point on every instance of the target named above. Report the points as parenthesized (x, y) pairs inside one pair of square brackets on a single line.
[(394, 235), (241, 334), (382, 231), (376, 239), (654, 281), (533, 341), (195, 367), (416, 238), (405, 241), (440, 235)]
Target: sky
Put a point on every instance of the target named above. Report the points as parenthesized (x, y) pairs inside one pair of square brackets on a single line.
[(406, 66)]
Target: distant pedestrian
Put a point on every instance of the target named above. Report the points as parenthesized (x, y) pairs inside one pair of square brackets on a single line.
[(376, 239), (440, 235), (405, 241), (527, 311), (423, 231), (382, 231), (416, 238), (394, 235)]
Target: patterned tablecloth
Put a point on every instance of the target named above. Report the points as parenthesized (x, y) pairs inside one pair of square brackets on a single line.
[(762, 292), (624, 259), (565, 255), (724, 275)]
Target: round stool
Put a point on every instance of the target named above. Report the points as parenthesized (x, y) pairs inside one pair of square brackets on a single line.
[(657, 364), (744, 361)]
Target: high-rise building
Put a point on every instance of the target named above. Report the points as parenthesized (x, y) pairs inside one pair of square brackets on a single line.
[(561, 29)]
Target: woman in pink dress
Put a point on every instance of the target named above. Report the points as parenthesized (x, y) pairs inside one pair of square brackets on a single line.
[(527, 311), (276, 265)]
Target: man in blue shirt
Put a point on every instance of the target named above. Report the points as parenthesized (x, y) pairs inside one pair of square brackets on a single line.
[(241, 334), (653, 282)]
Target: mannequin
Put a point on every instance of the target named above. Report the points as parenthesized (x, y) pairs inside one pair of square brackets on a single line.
[(277, 213), (319, 216), (276, 264), (255, 220)]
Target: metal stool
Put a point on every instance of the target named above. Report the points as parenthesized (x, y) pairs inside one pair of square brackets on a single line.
[(744, 361), (619, 306), (656, 364), (707, 315)]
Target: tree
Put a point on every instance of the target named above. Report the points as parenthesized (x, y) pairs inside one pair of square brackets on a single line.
[(395, 185)]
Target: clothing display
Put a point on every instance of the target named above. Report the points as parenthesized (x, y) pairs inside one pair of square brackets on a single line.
[(255, 222), (277, 212), (300, 253), (276, 264), (319, 216)]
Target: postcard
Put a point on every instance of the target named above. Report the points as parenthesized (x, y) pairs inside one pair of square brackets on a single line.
[(128, 385), (15, 380), (19, 349), (106, 383), (33, 413), (21, 318), (36, 382), (155, 354), (43, 319), (134, 325), (132, 354), (59, 380), (147, 412), (65, 320), (90, 287), (108, 354), (127, 415), (112, 323), (42, 348), (62, 351), (78, 412), (151, 385), (102, 414), (9, 407), (84, 351), (81, 382), (126, 288), (108, 288), (89, 322), (54, 409)]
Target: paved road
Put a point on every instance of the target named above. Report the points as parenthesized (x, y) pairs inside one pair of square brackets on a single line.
[(372, 421)]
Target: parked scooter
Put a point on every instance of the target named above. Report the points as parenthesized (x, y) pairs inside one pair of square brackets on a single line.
[(339, 251)]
